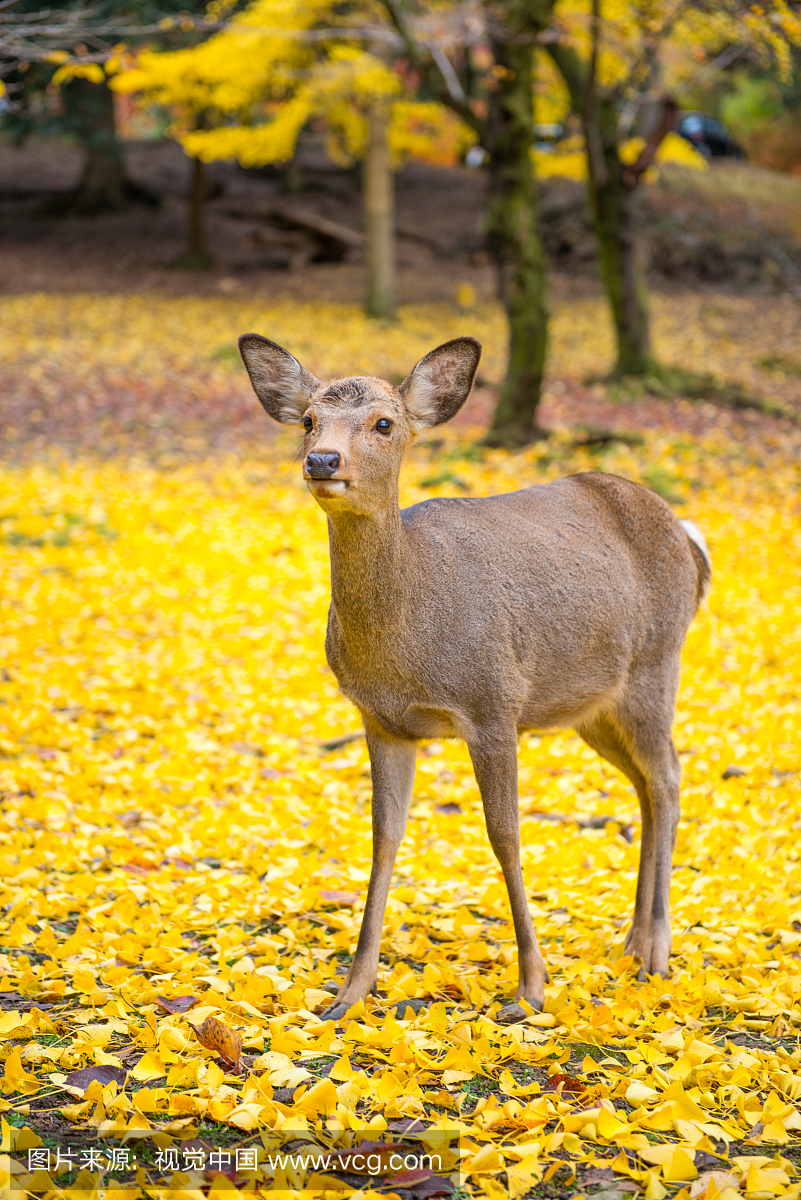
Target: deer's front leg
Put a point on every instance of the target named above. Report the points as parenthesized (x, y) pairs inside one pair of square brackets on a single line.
[(392, 769), (495, 765)]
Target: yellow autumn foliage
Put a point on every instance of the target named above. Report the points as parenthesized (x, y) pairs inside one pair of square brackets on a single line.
[(247, 91), (173, 825), (688, 36), (568, 158)]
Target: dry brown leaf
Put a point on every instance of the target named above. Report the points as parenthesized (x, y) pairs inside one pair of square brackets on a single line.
[(215, 1035), (568, 1083), (246, 748), (130, 818), (178, 1004), (422, 1183), (137, 869), (80, 1080), (228, 1172), (721, 1179), (598, 1175), (338, 897)]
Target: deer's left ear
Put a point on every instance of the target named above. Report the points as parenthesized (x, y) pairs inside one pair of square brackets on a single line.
[(438, 386), (281, 383)]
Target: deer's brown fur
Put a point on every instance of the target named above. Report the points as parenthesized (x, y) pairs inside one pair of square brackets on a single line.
[(560, 605)]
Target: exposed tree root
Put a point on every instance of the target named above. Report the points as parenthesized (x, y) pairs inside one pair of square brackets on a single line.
[(595, 437), (672, 382)]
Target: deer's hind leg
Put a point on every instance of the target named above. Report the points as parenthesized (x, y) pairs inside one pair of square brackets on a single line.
[(641, 746)]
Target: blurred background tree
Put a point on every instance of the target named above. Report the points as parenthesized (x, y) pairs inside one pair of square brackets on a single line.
[(624, 64), (617, 65), (384, 80), (56, 85), (249, 91), (481, 64), (764, 114)]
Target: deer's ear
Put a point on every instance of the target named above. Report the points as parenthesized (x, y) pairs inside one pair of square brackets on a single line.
[(438, 386), (281, 383)]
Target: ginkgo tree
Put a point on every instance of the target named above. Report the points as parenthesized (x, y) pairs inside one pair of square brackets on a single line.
[(614, 65), (55, 64), (623, 62), (480, 61), (248, 91)]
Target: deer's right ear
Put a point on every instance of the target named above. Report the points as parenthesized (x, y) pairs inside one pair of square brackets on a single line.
[(438, 386), (281, 383)]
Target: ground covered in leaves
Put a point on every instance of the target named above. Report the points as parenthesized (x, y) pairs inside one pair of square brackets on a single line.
[(186, 838), (160, 378)]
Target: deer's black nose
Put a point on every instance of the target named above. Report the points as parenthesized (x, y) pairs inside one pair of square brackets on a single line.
[(322, 466)]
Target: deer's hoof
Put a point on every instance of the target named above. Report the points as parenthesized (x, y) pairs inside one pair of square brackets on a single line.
[(512, 1014), (335, 1012), (407, 1010), (642, 975)]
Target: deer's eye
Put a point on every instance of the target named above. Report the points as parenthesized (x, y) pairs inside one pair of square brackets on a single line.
[(307, 424), (384, 425)]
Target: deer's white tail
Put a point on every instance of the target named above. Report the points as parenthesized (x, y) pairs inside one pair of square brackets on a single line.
[(698, 539)]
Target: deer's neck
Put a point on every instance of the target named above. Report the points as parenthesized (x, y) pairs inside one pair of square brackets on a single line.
[(369, 569)]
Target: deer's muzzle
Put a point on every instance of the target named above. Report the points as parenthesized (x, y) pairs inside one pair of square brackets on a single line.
[(321, 466)]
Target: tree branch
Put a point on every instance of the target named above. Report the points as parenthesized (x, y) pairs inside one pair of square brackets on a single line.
[(448, 73), (570, 66), (595, 151), (633, 174), (439, 78), (35, 36)]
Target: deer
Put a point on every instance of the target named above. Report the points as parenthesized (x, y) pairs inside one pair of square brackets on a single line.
[(561, 605)]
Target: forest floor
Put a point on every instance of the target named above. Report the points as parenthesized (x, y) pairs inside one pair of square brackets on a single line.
[(185, 814), (734, 226), (90, 302)]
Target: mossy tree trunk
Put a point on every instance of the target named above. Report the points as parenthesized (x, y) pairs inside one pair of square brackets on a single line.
[(514, 242), (196, 242), (197, 257), (611, 194), (89, 112), (378, 193), (612, 188), (292, 178), (103, 186), (512, 224)]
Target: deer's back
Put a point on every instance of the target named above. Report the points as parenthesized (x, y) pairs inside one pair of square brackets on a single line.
[(565, 538), (536, 604)]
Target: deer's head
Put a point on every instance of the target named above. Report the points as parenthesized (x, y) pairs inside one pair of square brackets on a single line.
[(356, 429)]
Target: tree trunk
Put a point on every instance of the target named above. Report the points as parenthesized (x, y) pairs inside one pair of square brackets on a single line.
[(611, 186), (379, 215), (612, 203), (292, 178), (103, 185), (197, 257), (90, 117), (514, 242)]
